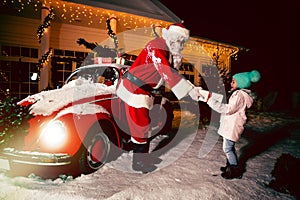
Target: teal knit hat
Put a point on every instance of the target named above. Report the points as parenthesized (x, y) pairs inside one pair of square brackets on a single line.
[(245, 79)]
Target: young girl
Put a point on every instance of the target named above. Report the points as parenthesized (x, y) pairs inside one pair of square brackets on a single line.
[(233, 118)]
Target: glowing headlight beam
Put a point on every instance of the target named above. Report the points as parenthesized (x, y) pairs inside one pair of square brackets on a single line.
[(54, 134)]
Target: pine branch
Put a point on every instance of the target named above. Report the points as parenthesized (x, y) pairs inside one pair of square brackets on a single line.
[(88, 45)]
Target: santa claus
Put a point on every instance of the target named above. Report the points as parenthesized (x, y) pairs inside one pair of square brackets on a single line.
[(148, 72)]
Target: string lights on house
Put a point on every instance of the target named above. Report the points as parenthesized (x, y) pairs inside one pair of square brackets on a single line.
[(73, 13), (97, 17)]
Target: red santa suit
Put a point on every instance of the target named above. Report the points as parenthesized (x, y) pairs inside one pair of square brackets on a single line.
[(151, 66)]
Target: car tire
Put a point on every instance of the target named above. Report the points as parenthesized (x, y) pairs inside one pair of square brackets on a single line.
[(93, 155)]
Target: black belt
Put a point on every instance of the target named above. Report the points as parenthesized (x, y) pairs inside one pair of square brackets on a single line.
[(138, 82)]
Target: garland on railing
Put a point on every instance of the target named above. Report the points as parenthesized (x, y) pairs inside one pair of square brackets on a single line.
[(46, 24), (111, 33), (45, 57)]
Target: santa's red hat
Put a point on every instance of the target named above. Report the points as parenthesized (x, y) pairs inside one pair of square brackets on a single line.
[(179, 28)]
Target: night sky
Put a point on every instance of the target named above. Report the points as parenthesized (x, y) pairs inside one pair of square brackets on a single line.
[(267, 28)]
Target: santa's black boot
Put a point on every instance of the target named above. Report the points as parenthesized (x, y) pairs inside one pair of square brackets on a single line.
[(232, 171), (223, 169), (128, 145), (141, 159)]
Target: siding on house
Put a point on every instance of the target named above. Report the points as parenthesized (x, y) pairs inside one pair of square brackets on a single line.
[(18, 31), (65, 36)]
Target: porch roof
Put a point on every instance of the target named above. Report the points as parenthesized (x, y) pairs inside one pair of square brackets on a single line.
[(147, 8)]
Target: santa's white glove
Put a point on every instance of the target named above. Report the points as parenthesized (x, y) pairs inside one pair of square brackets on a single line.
[(194, 93), (204, 95)]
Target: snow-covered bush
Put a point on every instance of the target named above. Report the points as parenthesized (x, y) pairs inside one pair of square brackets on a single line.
[(13, 122)]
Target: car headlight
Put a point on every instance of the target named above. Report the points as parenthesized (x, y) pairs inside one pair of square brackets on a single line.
[(54, 134)]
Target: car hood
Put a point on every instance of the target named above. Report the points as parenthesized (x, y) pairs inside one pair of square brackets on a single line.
[(47, 102)]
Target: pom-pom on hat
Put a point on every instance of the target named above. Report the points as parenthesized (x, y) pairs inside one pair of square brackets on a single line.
[(245, 79), (180, 29)]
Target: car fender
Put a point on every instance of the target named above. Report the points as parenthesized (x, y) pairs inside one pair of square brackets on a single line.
[(78, 120)]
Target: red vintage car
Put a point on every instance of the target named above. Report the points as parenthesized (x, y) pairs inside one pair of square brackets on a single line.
[(78, 128)]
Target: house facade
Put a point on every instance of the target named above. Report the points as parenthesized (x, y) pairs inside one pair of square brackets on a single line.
[(42, 42)]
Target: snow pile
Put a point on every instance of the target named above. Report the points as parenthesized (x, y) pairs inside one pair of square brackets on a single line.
[(33, 188), (47, 102)]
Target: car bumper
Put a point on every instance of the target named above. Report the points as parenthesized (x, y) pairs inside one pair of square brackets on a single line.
[(13, 160)]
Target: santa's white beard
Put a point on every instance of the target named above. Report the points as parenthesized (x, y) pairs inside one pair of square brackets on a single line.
[(175, 49), (177, 61)]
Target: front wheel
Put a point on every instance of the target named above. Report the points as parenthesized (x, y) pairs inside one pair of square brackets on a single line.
[(93, 155)]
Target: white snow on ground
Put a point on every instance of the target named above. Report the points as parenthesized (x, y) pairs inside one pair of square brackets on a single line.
[(188, 177)]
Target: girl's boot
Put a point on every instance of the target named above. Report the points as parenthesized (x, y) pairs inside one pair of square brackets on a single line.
[(232, 171), (223, 169)]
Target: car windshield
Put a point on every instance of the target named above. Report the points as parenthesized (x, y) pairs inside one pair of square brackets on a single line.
[(106, 75)]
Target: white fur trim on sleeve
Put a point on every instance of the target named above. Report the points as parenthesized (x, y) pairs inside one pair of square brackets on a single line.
[(182, 88), (135, 100)]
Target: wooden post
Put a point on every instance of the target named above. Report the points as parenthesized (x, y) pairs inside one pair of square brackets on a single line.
[(45, 45), (158, 29), (113, 23)]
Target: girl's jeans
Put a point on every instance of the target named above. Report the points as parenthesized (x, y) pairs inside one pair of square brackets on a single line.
[(229, 150)]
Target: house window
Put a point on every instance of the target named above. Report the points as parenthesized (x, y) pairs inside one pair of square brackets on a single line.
[(25, 52), (15, 78), (5, 51), (15, 73), (16, 51), (21, 78), (69, 53), (187, 70), (34, 53), (63, 63)]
